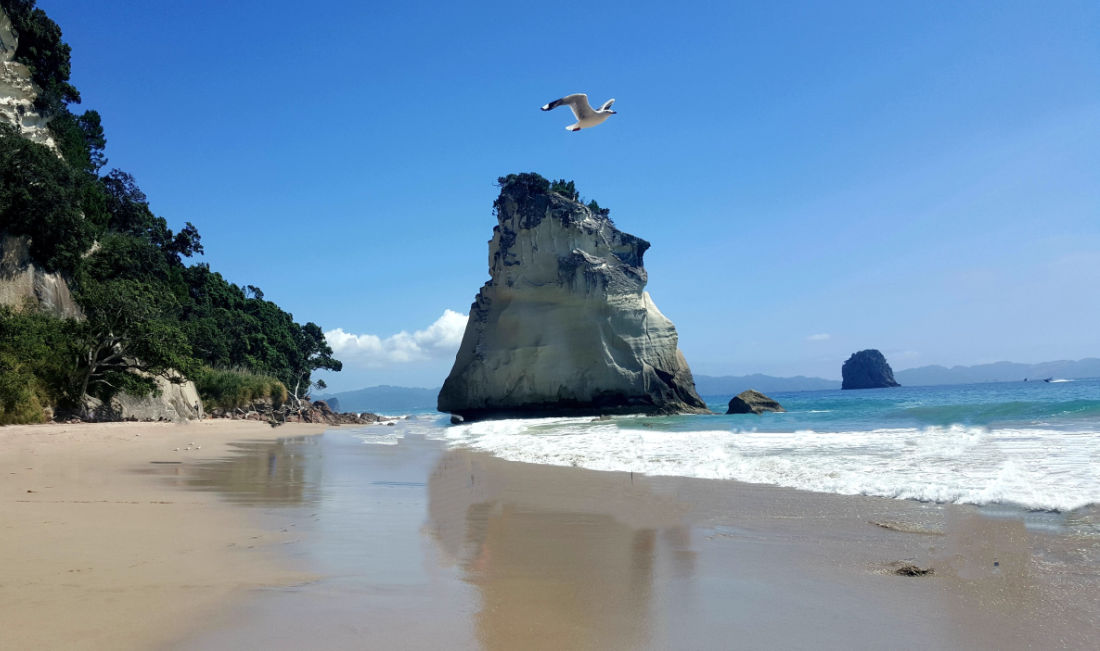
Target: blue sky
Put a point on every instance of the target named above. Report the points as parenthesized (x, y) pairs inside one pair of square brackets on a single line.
[(815, 178)]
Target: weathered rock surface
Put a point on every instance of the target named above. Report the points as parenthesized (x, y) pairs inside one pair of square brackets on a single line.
[(867, 369), (175, 402), (18, 92), (752, 402), (564, 324), (172, 401), (21, 281)]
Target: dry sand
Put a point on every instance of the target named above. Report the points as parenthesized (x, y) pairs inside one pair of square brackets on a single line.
[(98, 555)]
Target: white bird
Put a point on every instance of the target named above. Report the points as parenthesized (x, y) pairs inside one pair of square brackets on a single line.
[(586, 116)]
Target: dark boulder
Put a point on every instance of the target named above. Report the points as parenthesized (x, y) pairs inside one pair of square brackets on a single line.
[(752, 402), (867, 369)]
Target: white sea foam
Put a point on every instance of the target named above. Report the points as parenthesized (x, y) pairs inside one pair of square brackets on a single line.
[(1034, 468)]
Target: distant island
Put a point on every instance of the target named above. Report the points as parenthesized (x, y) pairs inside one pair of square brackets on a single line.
[(867, 369), (726, 385)]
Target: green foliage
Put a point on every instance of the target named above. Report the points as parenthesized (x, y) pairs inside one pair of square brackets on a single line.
[(40, 197), (146, 309), (131, 326), (230, 389), (566, 189), (80, 140), (532, 184), (37, 356), (45, 54), (230, 327)]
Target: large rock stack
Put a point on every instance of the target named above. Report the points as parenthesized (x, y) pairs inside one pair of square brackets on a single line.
[(564, 325), (867, 369)]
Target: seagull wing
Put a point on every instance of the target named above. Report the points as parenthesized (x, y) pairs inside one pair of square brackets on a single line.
[(607, 104), (577, 101)]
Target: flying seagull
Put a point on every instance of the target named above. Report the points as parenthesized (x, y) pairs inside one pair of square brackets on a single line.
[(586, 116)]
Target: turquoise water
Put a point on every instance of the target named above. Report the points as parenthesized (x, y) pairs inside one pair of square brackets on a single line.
[(1035, 445), (1069, 404)]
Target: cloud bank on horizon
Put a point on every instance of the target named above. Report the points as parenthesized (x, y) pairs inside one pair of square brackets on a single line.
[(438, 341)]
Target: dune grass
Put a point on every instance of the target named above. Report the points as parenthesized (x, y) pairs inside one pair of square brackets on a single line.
[(236, 388)]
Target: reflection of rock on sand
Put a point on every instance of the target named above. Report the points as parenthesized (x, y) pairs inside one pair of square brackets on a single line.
[(265, 472), (558, 563)]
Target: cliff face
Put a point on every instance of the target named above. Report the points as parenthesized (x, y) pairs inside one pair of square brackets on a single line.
[(21, 280), (867, 369), (17, 92), (564, 324)]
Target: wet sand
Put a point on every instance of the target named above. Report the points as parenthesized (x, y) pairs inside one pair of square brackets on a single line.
[(323, 542), (420, 547), (98, 552)]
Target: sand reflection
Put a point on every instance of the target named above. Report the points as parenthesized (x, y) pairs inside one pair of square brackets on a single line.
[(281, 472), (561, 559)]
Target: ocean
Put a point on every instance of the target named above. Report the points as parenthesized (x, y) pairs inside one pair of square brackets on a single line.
[(1031, 445)]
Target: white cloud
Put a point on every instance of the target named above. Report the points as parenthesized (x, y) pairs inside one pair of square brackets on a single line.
[(821, 336), (437, 341)]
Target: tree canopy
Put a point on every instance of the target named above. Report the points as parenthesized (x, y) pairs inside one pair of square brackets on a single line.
[(148, 307)]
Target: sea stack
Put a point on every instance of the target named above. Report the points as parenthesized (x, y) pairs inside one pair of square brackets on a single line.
[(564, 324), (867, 369)]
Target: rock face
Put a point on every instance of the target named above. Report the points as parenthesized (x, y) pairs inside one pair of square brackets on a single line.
[(172, 401), (21, 280), (752, 402), (867, 369), (564, 325), (175, 402), (18, 92)]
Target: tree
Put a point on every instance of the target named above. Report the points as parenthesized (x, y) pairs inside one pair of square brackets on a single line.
[(40, 198), (130, 328), (315, 354), (36, 364), (44, 53), (566, 189)]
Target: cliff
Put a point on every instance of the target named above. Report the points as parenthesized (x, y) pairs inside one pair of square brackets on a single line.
[(21, 281), (18, 92), (564, 325), (867, 369)]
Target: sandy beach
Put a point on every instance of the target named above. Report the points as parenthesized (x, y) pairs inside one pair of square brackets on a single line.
[(98, 554), (358, 546)]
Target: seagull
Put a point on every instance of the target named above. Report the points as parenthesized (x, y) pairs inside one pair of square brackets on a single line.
[(586, 116)]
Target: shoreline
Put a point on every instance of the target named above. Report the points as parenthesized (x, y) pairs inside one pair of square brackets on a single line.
[(99, 554), (110, 549)]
